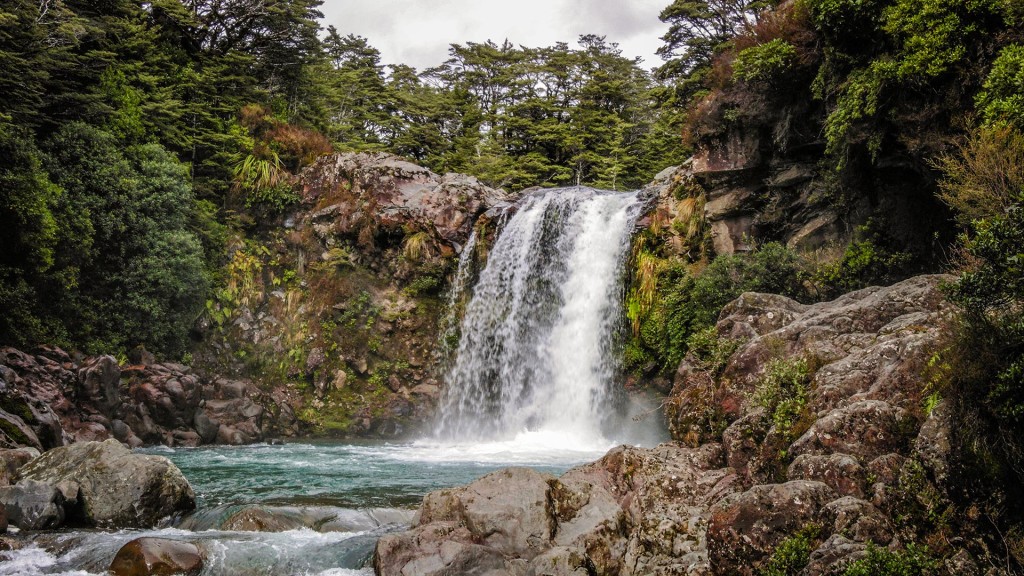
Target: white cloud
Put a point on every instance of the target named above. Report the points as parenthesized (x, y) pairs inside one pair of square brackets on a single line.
[(418, 33)]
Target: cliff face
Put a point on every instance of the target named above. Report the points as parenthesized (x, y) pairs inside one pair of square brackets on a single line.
[(338, 303), (808, 424), (754, 191)]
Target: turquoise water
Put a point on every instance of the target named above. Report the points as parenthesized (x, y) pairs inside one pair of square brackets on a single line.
[(335, 499)]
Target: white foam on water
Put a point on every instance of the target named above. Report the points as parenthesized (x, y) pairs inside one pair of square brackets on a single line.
[(34, 561)]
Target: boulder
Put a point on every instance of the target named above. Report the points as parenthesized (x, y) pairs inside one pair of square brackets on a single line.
[(157, 557), (746, 527), (118, 489), (11, 461), (33, 505), (439, 549), (841, 472), (100, 380), (634, 512), (507, 510), (387, 192), (857, 520), (258, 519), (865, 429)]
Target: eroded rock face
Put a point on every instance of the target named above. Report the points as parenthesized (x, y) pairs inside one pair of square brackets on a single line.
[(745, 527), (386, 192), (113, 487)]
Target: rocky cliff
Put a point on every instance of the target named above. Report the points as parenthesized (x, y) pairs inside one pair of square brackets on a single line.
[(336, 305), (809, 427), (326, 323)]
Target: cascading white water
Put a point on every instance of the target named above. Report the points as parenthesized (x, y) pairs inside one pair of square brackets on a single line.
[(535, 353)]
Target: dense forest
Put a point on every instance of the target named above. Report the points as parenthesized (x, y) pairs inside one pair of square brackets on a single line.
[(138, 137)]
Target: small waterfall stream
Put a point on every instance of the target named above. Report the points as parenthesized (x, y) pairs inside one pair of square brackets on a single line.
[(536, 353)]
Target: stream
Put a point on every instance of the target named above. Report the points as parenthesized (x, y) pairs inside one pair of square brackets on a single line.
[(350, 494)]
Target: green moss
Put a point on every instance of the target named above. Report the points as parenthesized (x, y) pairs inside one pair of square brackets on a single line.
[(14, 433), (20, 408)]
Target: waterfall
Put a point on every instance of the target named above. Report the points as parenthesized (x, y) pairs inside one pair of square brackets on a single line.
[(536, 346)]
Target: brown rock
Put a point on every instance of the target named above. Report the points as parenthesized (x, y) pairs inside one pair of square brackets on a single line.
[(745, 528), (841, 472), (11, 461), (157, 557), (865, 429)]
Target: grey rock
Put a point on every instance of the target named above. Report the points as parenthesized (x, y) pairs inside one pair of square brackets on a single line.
[(118, 489), (33, 505)]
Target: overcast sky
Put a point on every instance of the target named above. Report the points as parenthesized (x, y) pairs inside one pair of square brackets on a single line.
[(418, 32)]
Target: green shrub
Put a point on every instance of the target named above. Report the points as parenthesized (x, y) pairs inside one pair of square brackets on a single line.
[(765, 63), (1001, 100), (791, 556), (275, 199), (684, 302), (865, 262), (984, 173), (911, 561), (782, 390), (710, 350), (991, 293)]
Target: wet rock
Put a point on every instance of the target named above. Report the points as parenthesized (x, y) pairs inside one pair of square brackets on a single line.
[(206, 427), (258, 519), (118, 489), (157, 557), (33, 505)]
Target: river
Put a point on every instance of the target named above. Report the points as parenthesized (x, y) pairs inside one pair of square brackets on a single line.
[(349, 493)]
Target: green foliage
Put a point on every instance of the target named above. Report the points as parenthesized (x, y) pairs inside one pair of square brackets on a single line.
[(765, 63), (991, 291), (711, 351), (698, 29), (865, 262), (134, 272), (782, 390), (791, 556), (913, 560), (1001, 100), (686, 302)]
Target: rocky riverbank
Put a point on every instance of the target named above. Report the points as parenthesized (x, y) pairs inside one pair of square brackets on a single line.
[(49, 399), (818, 429)]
